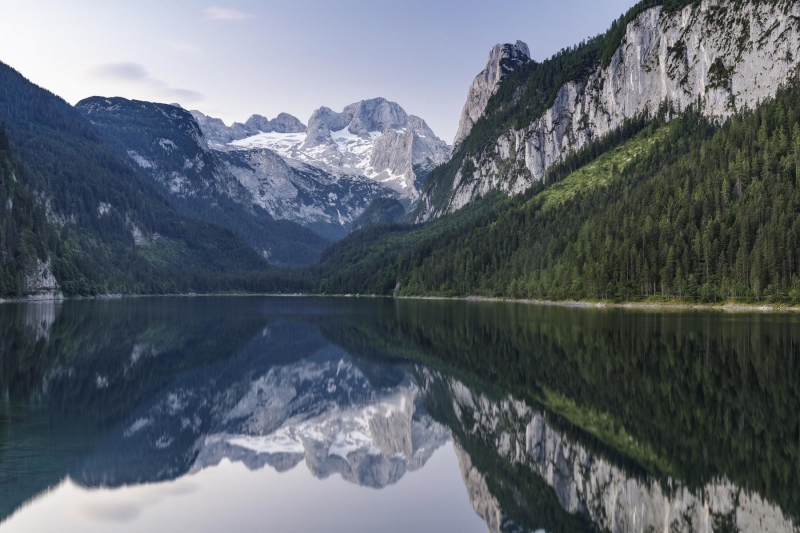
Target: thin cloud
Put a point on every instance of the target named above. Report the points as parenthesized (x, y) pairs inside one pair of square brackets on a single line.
[(185, 95), (120, 71), (221, 13), (134, 73)]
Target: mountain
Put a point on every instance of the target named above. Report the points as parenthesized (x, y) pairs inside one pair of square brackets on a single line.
[(283, 398), (723, 57), (82, 221), (287, 211), (690, 199), (503, 58), (167, 146), (374, 138)]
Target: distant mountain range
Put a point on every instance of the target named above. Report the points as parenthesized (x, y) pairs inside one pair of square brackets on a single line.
[(373, 138)]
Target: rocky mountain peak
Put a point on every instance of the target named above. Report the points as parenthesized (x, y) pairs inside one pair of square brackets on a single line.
[(219, 134), (503, 59), (283, 123), (361, 119)]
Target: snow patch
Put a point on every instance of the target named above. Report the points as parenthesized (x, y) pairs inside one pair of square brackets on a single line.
[(141, 161)]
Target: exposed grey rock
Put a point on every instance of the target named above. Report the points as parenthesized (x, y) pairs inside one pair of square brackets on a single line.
[(361, 119), (41, 283), (218, 134), (283, 123), (172, 148), (291, 190), (663, 56), (503, 58)]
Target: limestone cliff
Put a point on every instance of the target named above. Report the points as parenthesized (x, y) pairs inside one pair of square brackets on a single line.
[(503, 58), (720, 57)]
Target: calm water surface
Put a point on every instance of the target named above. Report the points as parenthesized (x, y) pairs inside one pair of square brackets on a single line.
[(357, 415)]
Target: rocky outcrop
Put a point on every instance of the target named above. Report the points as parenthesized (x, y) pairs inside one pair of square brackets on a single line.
[(590, 485), (219, 134), (720, 57), (283, 123), (503, 59), (360, 119), (41, 284)]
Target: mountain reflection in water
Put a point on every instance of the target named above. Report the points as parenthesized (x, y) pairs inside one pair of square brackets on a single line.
[(551, 419)]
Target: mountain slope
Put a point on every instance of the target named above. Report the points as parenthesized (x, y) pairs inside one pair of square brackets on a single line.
[(256, 193), (728, 56), (688, 210), (165, 144), (107, 230)]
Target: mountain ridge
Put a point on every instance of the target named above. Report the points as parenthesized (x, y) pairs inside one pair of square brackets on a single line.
[(667, 52)]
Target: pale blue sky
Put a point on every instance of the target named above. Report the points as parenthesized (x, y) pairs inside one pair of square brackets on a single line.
[(233, 59)]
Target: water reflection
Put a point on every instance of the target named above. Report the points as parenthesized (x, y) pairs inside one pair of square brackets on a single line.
[(558, 419)]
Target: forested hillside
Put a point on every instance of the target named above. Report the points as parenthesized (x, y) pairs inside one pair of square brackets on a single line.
[(685, 209), (74, 211)]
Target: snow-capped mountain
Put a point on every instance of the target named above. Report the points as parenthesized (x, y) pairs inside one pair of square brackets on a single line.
[(373, 138), (252, 192)]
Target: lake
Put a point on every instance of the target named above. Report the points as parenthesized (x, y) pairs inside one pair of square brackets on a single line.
[(362, 415)]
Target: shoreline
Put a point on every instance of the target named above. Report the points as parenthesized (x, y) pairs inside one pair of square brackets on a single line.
[(728, 306), (620, 305)]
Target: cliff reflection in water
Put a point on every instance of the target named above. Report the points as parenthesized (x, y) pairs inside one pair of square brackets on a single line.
[(562, 419)]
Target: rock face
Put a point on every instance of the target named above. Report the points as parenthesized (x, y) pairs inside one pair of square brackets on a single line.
[(40, 284), (586, 483), (218, 134), (287, 189), (485, 505), (374, 138), (725, 58), (503, 58)]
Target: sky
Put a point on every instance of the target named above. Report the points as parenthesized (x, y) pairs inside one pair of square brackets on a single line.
[(234, 59)]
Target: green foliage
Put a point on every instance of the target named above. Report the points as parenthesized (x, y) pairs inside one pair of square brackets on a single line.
[(601, 171), (719, 76), (380, 211)]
